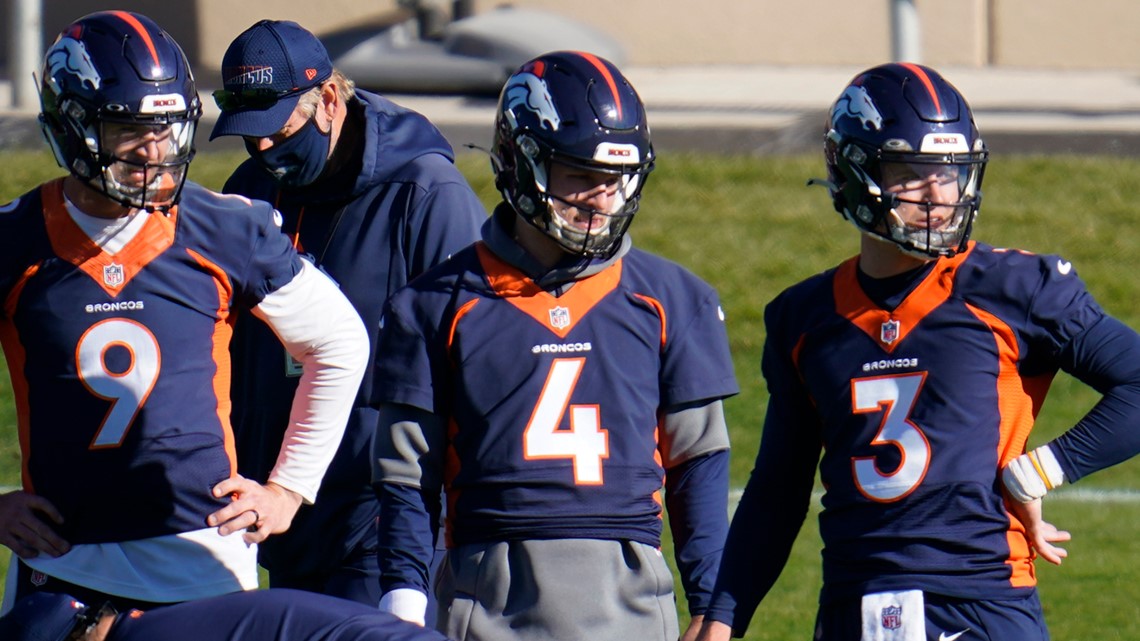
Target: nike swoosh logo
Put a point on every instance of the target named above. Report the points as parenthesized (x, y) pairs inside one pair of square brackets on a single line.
[(943, 637), (1064, 267)]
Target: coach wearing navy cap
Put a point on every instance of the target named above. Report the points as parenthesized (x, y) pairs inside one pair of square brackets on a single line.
[(258, 98), (367, 189)]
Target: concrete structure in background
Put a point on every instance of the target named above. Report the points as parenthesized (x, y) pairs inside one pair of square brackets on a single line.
[(753, 77), (1026, 34)]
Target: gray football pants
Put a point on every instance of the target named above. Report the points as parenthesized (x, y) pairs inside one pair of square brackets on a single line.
[(557, 590)]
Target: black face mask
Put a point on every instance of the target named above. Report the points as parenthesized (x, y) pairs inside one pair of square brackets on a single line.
[(297, 160)]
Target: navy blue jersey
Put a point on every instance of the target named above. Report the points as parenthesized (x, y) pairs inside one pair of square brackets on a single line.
[(267, 615), (553, 403), (373, 225), (916, 409), (119, 364)]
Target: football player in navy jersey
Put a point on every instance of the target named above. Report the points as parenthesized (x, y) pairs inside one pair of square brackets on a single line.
[(256, 615), (917, 369), (554, 379), (121, 282)]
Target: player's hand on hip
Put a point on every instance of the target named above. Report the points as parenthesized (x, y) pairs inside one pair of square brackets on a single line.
[(258, 510), (26, 526), (713, 631), (1041, 534)]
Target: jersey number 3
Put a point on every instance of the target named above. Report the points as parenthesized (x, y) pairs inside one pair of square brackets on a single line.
[(128, 388), (894, 396), (585, 442)]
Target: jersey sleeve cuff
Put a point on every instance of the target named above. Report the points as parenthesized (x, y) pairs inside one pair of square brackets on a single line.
[(1031, 475), (406, 603)]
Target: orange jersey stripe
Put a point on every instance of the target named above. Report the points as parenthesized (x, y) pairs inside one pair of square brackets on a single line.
[(14, 352), (223, 331), (1019, 401)]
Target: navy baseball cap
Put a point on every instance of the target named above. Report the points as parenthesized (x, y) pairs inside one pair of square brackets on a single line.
[(264, 73), (42, 616)]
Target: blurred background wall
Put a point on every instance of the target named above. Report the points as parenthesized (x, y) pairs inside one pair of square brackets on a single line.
[(1052, 34)]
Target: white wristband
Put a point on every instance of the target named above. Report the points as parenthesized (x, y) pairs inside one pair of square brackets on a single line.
[(1031, 475), (406, 603)]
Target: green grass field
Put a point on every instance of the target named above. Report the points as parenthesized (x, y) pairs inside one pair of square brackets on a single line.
[(751, 228)]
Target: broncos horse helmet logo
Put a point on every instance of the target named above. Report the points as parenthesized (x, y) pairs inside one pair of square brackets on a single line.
[(530, 91), (69, 55), (856, 103)]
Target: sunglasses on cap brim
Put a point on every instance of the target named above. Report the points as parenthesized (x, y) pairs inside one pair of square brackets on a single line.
[(252, 98)]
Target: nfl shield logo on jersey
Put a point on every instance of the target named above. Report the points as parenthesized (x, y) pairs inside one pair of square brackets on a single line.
[(889, 332), (892, 617), (559, 317), (113, 275)]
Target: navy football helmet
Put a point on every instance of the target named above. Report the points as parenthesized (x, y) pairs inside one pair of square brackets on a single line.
[(119, 108), (576, 109), (901, 140)]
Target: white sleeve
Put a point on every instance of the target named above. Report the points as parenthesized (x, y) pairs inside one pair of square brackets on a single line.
[(321, 329), (406, 603)]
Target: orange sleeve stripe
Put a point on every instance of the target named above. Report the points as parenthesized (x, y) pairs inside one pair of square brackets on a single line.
[(660, 314), (459, 314)]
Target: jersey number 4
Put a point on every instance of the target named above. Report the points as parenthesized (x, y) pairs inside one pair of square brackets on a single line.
[(894, 397), (586, 443), (128, 388)]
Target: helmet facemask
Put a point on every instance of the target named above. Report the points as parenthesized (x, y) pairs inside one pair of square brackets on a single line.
[(925, 203), (574, 223), (142, 164), (929, 202)]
